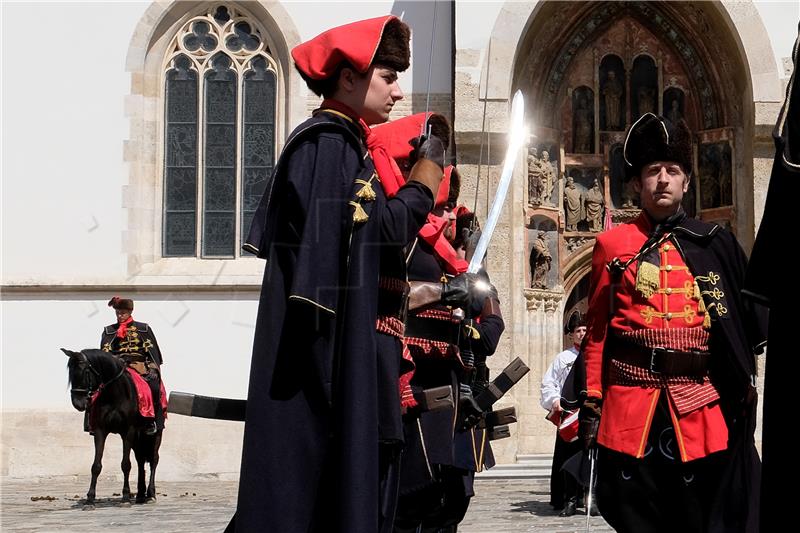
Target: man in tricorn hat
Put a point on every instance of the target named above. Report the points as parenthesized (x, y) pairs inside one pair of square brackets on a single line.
[(565, 492), (670, 369), (136, 344), (323, 430)]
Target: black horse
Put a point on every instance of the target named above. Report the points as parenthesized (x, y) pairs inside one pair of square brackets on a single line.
[(115, 410)]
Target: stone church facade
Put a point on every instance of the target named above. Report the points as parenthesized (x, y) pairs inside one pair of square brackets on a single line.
[(190, 173)]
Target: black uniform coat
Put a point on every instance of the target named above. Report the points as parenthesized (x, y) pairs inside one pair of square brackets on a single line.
[(310, 459), (138, 339), (768, 283)]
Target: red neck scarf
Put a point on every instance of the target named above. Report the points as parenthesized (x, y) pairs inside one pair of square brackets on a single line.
[(122, 328), (388, 172)]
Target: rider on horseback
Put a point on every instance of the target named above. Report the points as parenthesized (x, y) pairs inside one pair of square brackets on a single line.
[(135, 343)]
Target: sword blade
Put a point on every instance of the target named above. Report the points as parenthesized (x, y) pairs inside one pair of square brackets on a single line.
[(515, 141), (592, 461)]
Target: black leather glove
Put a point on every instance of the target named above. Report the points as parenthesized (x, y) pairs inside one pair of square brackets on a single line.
[(432, 148), (589, 422), (469, 411), (464, 289)]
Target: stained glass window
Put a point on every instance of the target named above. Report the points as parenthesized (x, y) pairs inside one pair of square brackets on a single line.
[(219, 139)]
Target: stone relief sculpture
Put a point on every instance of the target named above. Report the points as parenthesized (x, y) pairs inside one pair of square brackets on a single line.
[(541, 261), (541, 178), (573, 204), (593, 206), (535, 178), (612, 94)]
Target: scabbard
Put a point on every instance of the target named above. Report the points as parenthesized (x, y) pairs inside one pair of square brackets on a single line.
[(435, 399), (509, 377), (499, 432), (501, 417), (188, 404)]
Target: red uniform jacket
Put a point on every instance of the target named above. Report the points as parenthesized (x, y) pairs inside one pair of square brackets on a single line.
[(617, 308)]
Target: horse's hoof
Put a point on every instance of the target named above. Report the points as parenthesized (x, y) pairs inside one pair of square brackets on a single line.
[(151, 499), (88, 507), (141, 500), (125, 503)]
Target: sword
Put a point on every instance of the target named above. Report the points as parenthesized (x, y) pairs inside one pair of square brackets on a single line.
[(188, 404), (592, 463), (516, 138)]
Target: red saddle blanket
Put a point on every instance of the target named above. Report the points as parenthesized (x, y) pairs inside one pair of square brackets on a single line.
[(143, 394), (145, 398)]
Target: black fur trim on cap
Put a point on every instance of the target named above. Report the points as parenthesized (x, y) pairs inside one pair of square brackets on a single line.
[(121, 303), (654, 138), (576, 320), (455, 187), (440, 127), (393, 50)]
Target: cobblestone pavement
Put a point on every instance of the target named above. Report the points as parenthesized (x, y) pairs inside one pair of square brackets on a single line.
[(43, 505)]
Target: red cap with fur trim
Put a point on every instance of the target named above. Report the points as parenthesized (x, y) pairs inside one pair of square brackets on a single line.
[(359, 43)]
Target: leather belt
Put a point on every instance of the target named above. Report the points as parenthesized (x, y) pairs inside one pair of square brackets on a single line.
[(432, 329), (660, 360)]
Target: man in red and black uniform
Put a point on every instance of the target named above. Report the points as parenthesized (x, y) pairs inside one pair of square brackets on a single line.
[(135, 343), (669, 357)]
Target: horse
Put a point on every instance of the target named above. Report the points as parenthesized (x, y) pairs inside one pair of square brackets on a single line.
[(114, 410)]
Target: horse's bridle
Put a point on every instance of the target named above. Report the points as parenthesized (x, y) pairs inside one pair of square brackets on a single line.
[(92, 370)]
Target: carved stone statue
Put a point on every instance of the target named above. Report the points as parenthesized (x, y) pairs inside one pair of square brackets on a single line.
[(646, 101), (583, 128), (594, 203), (612, 94), (573, 204), (674, 113), (540, 261), (535, 178), (548, 177)]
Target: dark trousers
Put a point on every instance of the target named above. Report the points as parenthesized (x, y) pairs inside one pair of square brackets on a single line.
[(153, 379), (563, 486), (658, 493)]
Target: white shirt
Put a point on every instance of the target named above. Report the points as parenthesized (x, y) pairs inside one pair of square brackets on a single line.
[(553, 380)]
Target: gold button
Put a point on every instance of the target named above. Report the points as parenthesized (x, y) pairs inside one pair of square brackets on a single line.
[(667, 248), (669, 290), (669, 316), (668, 268)]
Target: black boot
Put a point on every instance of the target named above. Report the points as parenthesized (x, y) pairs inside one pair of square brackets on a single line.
[(570, 507)]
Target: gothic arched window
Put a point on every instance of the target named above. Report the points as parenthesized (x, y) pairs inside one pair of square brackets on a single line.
[(220, 86)]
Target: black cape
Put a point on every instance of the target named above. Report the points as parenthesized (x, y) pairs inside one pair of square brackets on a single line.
[(310, 458), (767, 283)]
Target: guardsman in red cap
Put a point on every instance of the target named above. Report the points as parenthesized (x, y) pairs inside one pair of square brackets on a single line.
[(450, 343), (323, 433), (669, 352), (440, 459), (135, 342)]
